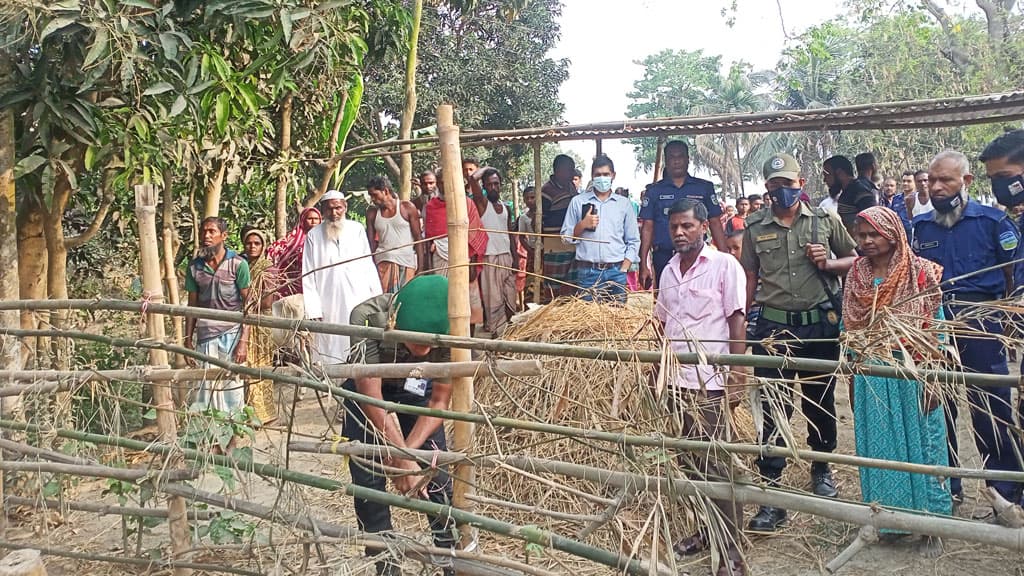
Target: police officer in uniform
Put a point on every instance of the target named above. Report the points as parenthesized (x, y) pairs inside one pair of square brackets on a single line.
[(676, 185), (787, 248), (965, 237)]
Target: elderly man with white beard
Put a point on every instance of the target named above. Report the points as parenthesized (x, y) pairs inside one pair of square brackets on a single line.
[(337, 275), (966, 237)]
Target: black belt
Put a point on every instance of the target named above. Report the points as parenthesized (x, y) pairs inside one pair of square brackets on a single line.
[(599, 265), (953, 297), (795, 319)]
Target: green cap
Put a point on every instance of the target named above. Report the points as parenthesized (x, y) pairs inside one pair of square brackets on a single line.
[(781, 166), (422, 305)]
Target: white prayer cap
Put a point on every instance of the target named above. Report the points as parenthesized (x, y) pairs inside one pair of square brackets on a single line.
[(332, 195)]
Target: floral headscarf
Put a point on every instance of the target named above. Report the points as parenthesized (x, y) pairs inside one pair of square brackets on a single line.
[(901, 290)]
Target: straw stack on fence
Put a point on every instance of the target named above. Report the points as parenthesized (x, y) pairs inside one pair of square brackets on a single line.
[(596, 395)]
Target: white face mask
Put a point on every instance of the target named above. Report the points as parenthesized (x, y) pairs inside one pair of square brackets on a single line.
[(602, 183)]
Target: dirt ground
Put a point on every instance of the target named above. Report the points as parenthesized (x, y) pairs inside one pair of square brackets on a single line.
[(803, 548)]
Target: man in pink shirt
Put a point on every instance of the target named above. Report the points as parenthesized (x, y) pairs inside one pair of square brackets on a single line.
[(701, 306)]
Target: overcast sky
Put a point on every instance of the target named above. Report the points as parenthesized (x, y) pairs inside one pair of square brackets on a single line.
[(603, 38)]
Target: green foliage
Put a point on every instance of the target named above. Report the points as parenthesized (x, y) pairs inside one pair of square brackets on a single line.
[(103, 413), (886, 50), (228, 527), (210, 427), (489, 58)]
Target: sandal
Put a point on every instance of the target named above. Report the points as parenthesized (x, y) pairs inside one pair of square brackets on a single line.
[(691, 545)]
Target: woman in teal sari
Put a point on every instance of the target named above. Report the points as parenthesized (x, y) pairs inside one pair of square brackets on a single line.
[(895, 419)]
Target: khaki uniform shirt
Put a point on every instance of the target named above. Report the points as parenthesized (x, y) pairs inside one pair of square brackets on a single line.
[(789, 280), (378, 313)]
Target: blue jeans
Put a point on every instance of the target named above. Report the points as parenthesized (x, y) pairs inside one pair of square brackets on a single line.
[(601, 285)]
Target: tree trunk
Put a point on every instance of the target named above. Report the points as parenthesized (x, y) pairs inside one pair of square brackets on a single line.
[(10, 349), (31, 272), (211, 206), (281, 195), (170, 243), (409, 113), (56, 267)]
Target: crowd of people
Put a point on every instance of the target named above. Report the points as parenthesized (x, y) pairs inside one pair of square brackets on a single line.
[(764, 268)]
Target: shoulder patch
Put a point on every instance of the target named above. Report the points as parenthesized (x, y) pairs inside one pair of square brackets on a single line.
[(646, 201), (1008, 240)]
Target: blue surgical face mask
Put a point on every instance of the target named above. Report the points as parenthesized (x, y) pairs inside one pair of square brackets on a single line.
[(1009, 191), (786, 197), (944, 205), (602, 183)]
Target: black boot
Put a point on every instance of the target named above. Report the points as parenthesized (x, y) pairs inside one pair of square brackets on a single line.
[(767, 519), (822, 482)]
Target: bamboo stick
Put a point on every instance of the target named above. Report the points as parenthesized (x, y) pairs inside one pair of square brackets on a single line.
[(309, 523), (612, 437), (538, 225), (163, 398), (98, 471), (103, 509), (148, 565), (554, 514), (510, 347), (530, 534), (458, 305), (142, 374)]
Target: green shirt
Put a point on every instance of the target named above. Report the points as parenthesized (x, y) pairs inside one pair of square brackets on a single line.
[(775, 253), (377, 313)]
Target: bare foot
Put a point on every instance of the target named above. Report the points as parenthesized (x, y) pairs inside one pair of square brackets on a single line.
[(931, 547)]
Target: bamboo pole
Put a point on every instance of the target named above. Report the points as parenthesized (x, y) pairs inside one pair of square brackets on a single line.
[(611, 437), (147, 565), (10, 348), (163, 400), (309, 523), (62, 379), (458, 305), (856, 513), (102, 509), (507, 346), (538, 225), (97, 471), (530, 534)]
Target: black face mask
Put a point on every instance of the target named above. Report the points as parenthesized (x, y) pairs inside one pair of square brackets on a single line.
[(945, 205), (1009, 191)]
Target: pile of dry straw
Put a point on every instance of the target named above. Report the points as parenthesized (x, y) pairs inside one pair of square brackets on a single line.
[(593, 395)]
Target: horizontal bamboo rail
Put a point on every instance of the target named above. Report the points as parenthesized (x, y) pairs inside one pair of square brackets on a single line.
[(146, 565), (97, 471), (502, 422), (852, 512), (530, 534), (102, 509), (427, 456), (309, 523), (144, 374), (505, 346)]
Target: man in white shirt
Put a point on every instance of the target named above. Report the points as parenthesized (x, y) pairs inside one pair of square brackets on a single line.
[(337, 275)]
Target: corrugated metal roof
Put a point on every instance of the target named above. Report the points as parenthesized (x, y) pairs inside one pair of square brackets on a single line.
[(915, 114)]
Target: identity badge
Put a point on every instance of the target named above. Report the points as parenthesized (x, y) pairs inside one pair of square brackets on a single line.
[(417, 386)]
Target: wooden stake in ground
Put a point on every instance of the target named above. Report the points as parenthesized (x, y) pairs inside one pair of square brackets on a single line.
[(145, 211), (458, 301)]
